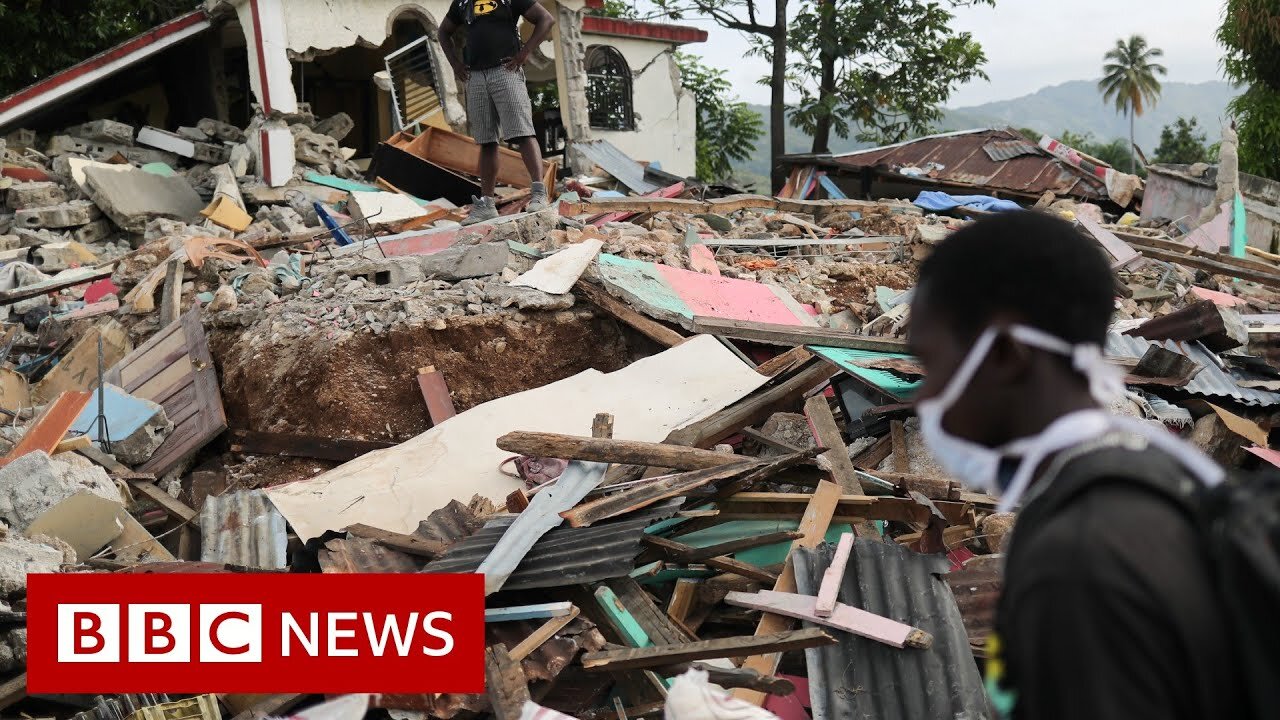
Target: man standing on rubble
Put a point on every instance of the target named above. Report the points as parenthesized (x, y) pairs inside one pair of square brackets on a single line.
[(498, 105), (1109, 608)]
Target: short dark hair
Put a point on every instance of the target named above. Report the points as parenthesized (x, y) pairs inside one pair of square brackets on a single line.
[(1024, 262)]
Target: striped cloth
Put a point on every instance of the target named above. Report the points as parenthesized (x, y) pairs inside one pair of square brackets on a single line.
[(498, 99)]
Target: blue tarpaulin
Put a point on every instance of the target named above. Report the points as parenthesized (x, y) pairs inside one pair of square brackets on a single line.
[(941, 202)]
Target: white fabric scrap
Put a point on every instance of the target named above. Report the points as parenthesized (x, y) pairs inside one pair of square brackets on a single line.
[(692, 697), (557, 274)]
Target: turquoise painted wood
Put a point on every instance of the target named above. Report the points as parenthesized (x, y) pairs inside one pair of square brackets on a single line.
[(632, 633), (544, 611), (763, 556), (643, 281), (883, 379)]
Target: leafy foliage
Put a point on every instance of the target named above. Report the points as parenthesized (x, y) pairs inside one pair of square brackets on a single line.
[(882, 68), (1129, 80), (1183, 142), (1250, 33), (727, 128), (51, 35), (615, 9)]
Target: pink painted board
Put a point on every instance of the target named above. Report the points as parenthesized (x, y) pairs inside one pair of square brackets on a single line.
[(702, 260), (728, 298), (1271, 456), (429, 242), (845, 617), (831, 579), (1220, 299)]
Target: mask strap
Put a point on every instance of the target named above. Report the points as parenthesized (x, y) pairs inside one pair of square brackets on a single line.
[(968, 367), (1105, 381)]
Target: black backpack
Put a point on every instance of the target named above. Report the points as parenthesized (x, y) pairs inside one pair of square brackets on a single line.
[(1240, 522)]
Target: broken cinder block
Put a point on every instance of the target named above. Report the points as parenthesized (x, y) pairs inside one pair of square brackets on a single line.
[(220, 130), (93, 232), (36, 482), (107, 131), (178, 145), (70, 214), (36, 194)]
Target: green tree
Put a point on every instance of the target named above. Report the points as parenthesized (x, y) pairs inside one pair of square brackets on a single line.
[(1183, 142), (614, 9), (727, 128), (51, 35), (1250, 33), (1129, 80), (770, 37), (884, 67)]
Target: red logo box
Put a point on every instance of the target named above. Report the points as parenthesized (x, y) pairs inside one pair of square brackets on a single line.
[(255, 633)]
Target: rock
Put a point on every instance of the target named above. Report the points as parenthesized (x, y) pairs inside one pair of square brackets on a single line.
[(36, 482), (220, 130), (336, 127), (224, 298), (107, 131), (790, 428), (256, 281), (269, 297), (472, 261), (68, 214)]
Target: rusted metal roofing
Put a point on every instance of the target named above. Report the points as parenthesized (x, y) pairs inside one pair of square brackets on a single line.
[(976, 587), (1211, 381), (861, 678), (242, 528), (454, 521), (360, 555), (962, 159), (564, 556)]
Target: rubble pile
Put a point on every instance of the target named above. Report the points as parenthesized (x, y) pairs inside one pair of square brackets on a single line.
[(717, 385)]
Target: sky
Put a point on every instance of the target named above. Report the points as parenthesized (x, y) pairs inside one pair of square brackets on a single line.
[(1030, 44)]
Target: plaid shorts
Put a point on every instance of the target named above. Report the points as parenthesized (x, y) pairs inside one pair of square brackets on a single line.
[(498, 97)]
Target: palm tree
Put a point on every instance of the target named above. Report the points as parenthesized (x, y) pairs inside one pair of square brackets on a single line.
[(1129, 80)]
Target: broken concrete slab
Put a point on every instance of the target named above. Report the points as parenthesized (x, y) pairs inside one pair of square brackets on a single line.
[(84, 521), (20, 556), (184, 147), (35, 482), (383, 207), (35, 194), (387, 272), (221, 130), (70, 214), (557, 274), (132, 198), (137, 427), (54, 257), (108, 131), (336, 127), (93, 232), (472, 261), (525, 298)]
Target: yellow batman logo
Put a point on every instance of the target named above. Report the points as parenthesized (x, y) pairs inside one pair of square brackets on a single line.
[(484, 7)]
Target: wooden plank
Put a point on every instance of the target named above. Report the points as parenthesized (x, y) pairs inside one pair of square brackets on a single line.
[(176, 509), (602, 426), (735, 546), (833, 576), (623, 313), (642, 608), (761, 505), (874, 455), (814, 523), (626, 626), (462, 154), (844, 617), (823, 426), (171, 295), (544, 633), (48, 429), (726, 564), (72, 444), (150, 358), (682, 597), (898, 433), (755, 408), (1268, 279), (795, 335), (770, 441), (13, 691), (505, 684), (408, 544), (528, 612), (784, 361), (612, 450), (436, 394), (78, 369), (52, 285), (650, 492), (659, 655), (252, 442)]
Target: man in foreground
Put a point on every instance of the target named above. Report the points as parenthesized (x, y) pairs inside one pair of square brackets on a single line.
[(492, 71), (1109, 608)]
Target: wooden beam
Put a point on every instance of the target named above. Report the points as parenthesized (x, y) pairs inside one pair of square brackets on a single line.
[(624, 313), (408, 544), (823, 426), (1269, 279), (602, 426), (871, 458), (755, 408), (794, 335), (659, 655), (13, 690), (171, 295), (901, 460), (844, 617), (833, 576), (735, 546), (682, 597), (505, 683), (770, 441), (544, 633), (611, 450), (814, 523), (726, 564), (48, 429), (436, 395), (650, 492), (542, 611), (26, 292), (176, 509), (786, 360), (770, 505), (252, 442)]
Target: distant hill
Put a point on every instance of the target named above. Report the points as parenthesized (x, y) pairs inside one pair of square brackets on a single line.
[(1074, 106)]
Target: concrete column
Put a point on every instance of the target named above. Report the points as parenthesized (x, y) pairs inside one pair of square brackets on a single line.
[(571, 73)]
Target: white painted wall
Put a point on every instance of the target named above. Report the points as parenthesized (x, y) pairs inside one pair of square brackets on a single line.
[(666, 120)]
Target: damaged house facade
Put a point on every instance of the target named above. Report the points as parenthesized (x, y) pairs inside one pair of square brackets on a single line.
[(379, 62)]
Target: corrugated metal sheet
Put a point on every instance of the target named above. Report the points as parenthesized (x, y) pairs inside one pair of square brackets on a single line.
[(453, 522), (964, 161), (1212, 381), (360, 555), (564, 556), (242, 528), (861, 678), (976, 587), (1009, 149), (618, 164)]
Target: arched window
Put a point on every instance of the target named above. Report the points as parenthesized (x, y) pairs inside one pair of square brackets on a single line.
[(609, 102)]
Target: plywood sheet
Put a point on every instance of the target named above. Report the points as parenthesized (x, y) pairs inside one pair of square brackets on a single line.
[(78, 369), (394, 489)]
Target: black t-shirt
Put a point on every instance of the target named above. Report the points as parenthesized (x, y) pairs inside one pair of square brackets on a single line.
[(492, 37), (1110, 612)]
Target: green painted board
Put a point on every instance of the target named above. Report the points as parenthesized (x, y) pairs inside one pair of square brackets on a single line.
[(763, 556), (671, 574), (158, 168), (883, 379), (643, 281), (632, 633)]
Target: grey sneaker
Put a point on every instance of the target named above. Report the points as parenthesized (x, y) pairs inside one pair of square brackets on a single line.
[(482, 209), (537, 198)]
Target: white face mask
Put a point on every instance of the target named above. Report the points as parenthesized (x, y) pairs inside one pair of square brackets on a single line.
[(977, 465)]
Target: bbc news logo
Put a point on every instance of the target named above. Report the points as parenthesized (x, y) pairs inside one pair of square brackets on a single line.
[(255, 633)]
